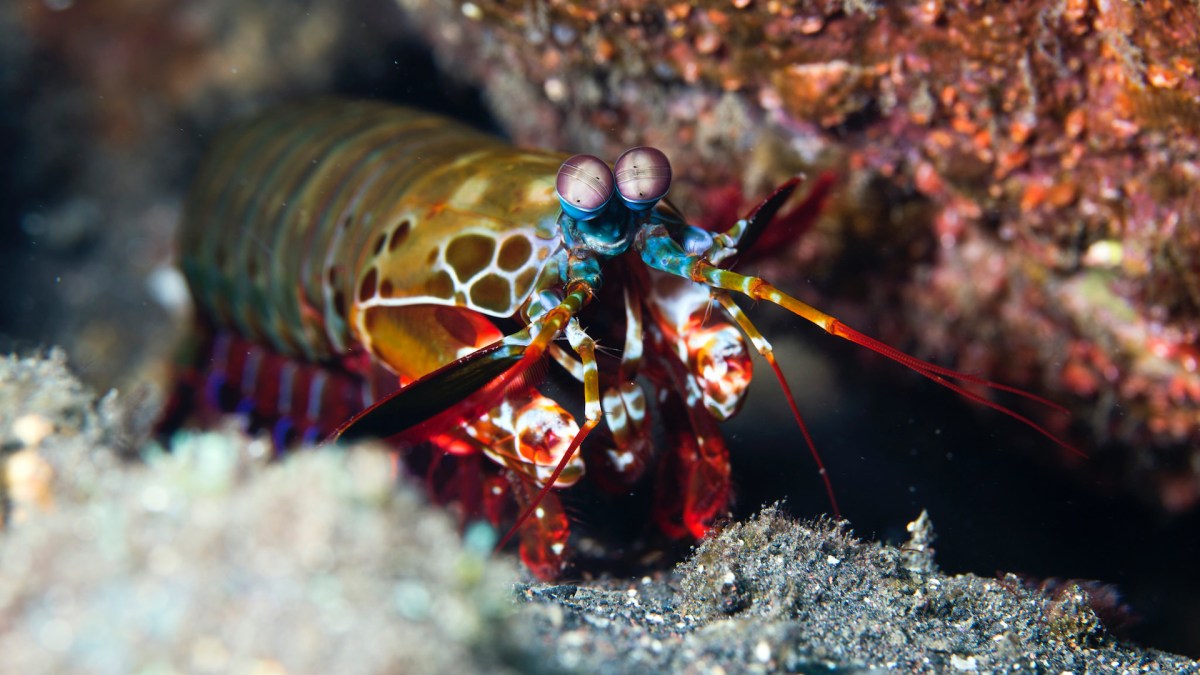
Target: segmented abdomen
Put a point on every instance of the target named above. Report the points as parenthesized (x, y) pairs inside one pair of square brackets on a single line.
[(304, 218)]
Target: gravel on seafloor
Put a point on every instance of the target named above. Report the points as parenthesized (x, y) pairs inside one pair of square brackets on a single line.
[(213, 558)]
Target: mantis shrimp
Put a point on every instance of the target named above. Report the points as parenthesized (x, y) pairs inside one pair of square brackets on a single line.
[(368, 270)]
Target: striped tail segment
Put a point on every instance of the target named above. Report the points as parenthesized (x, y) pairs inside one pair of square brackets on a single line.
[(297, 400)]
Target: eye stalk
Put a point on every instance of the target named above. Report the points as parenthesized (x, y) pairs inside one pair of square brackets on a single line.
[(643, 176), (584, 186)]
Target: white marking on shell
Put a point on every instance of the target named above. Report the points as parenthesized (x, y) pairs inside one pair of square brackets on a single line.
[(463, 285), (470, 193), (635, 402), (614, 408), (622, 460), (539, 191)]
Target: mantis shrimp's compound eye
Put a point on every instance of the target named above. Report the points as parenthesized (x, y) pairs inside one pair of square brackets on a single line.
[(584, 186), (722, 366), (643, 176)]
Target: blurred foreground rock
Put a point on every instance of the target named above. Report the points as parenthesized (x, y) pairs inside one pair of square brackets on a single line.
[(212, 559)]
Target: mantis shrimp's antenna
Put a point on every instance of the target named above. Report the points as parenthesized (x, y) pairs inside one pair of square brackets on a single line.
[(767, 352), (759, 289)]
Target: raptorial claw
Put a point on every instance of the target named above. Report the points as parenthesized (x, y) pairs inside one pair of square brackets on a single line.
[(530, 434), (722, 366), (466, 387)]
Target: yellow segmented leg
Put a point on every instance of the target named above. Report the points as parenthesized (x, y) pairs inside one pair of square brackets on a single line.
[(548, 327), (623, 405), (763, 347), (568, 363), (754, 287), (585, 346), (551, 324)]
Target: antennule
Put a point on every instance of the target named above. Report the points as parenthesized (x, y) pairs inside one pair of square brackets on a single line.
[(759, 289)]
